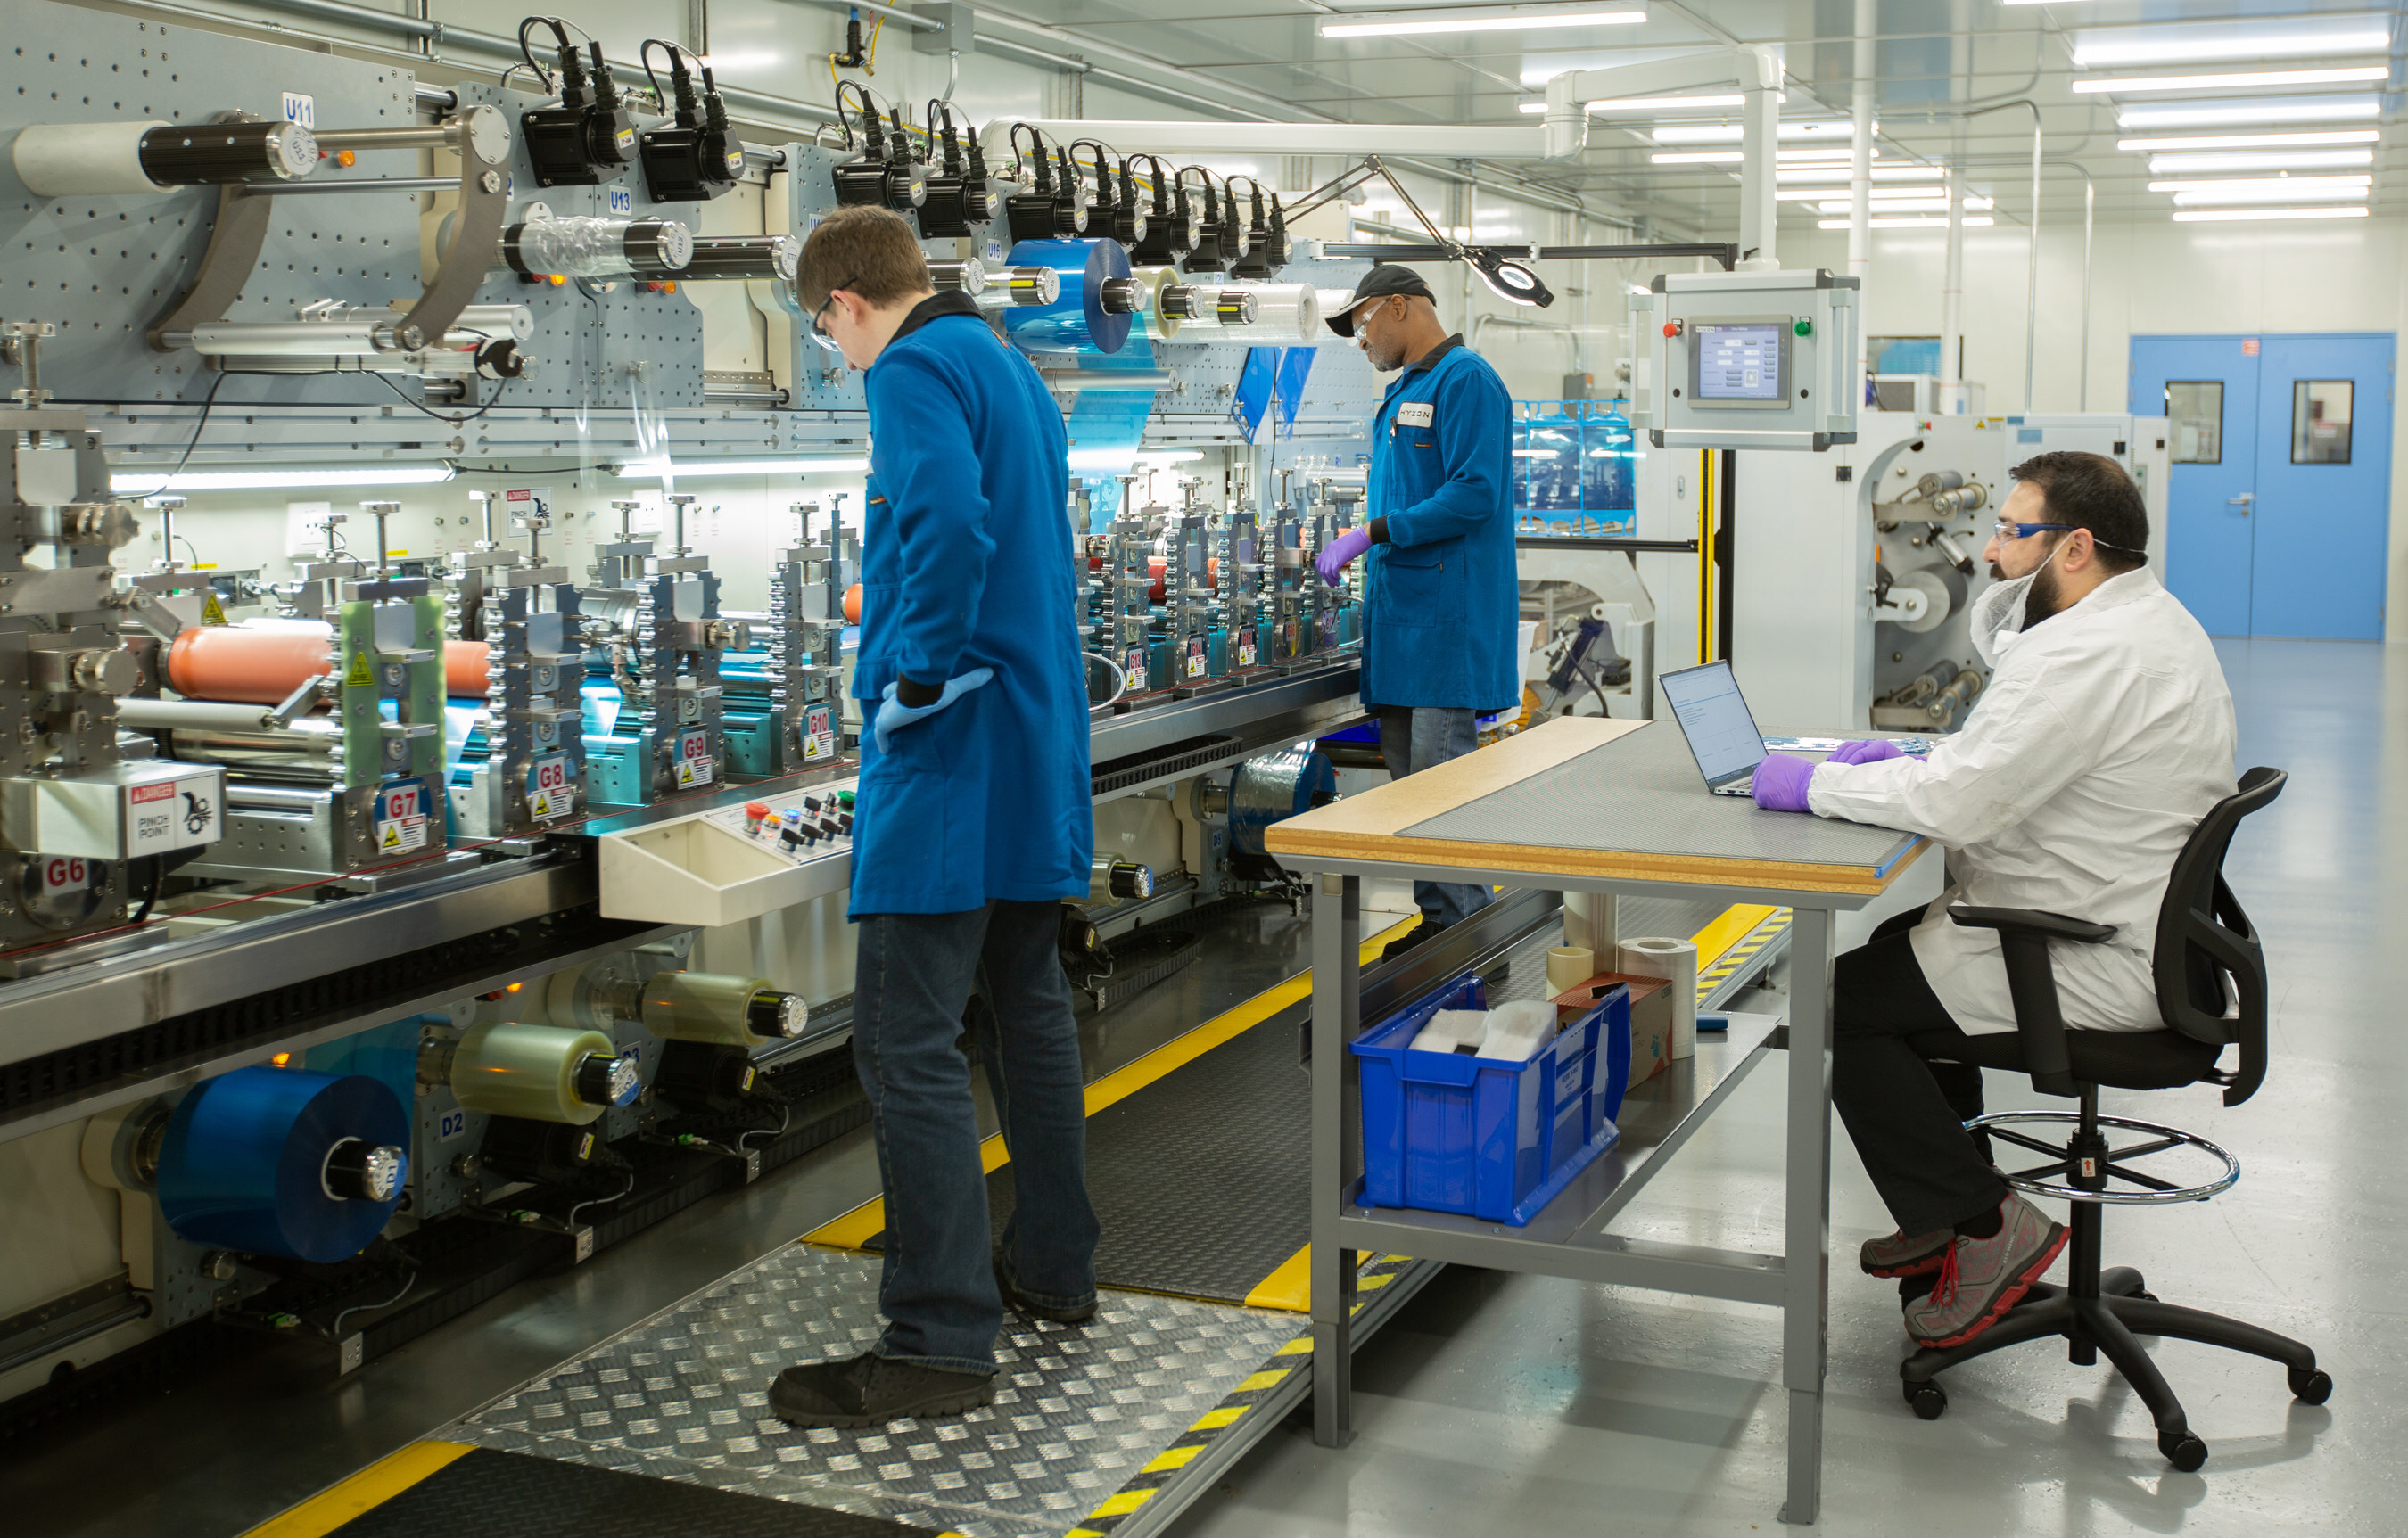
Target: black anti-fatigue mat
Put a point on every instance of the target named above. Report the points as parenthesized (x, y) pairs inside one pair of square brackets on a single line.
[(510, 1495), (1202, 1178)]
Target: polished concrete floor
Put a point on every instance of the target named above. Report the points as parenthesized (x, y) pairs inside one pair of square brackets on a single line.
[(1519, 1405)]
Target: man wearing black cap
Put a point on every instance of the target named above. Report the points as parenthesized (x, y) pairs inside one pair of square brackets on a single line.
[(1442, 605)]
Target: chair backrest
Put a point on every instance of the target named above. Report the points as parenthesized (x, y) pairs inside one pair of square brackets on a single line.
[(2207, 955)]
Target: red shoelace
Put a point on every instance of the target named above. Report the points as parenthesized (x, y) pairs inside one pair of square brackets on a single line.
[(1943, 1291)]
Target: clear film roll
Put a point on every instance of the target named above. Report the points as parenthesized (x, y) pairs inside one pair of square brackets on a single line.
[(1084, 318), (1152, 319), (530, 1071), (716, 1008), (1676, 962), (281, 1162), (1284, 313)]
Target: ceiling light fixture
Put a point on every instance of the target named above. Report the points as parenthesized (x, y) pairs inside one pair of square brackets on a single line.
[(2128, 83), (1731, 133), (136, 483), (1934, 221), (1824, 158), (688, 469), (2265, 190), (2251, 141), (1421, 23), (1826, 174), (2258, 160), (1901, 205), (2219, 216), (2248, 109), (2208, 42)]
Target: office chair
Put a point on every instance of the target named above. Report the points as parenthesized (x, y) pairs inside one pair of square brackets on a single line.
[(2211, 983)]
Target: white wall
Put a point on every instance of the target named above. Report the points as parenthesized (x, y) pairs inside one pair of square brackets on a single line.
[(2148, 277)]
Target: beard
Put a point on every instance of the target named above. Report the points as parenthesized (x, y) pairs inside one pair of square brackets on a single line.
[(2045, 598), (1385, 360)]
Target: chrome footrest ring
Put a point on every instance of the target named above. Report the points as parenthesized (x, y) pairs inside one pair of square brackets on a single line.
[(2139, 1194)]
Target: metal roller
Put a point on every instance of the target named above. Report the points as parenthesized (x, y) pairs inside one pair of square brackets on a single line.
[(751, 256), (76, 160), (580, 246)]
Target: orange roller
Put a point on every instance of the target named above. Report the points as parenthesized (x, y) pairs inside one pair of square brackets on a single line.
[(853, 604), (263, 665)]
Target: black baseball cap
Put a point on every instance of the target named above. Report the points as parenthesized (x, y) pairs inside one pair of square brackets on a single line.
[(1382, 281)]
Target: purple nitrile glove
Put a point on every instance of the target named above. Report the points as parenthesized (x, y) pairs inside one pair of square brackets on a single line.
[(1781, 782), (1342, 554), (1869, 750)]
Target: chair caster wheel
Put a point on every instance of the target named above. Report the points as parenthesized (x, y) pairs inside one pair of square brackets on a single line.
[(2145, 1296), (2311, 1386), (2184, 1451), (1927, 1399)]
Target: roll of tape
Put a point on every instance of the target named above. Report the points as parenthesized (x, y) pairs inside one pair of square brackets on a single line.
[(1286, 313), (245, 1164), (1676, 962), (1075, 321), (1569, 966), (1152, 322), (529, 1071), (708, 1006)]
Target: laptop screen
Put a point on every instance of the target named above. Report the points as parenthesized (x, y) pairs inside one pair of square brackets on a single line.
[(1722, 733)]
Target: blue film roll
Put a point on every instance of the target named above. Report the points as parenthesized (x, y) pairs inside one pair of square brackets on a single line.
[(244, 1162), (1076, 321)]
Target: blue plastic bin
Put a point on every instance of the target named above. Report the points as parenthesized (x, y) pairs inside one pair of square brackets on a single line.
[(1450, 1133)]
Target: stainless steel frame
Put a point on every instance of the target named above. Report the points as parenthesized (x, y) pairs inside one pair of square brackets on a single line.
[(1566, 1239)]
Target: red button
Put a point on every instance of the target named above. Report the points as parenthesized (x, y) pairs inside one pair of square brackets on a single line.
[(1672, 328)]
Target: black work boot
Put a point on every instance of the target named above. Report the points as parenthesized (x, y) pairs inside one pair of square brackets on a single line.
[(1412, 937), (869, 1390)]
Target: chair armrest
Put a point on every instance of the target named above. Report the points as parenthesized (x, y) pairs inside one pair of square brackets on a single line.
[(2055, 926), (2024, 934)]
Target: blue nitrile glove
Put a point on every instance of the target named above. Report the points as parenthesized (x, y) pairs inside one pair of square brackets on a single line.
[(1780, 780), (893, 716), (1869, 750)]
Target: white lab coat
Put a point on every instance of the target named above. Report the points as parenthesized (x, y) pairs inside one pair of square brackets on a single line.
[(2105, 735)]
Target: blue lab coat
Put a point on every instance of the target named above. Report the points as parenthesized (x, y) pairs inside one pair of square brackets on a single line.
[(966, 563), (1442, 609)]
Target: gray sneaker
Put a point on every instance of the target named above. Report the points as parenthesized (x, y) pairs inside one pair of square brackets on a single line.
[(1903, 1254), (1980, 1279)]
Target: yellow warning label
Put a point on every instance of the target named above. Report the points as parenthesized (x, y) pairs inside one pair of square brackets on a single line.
[(212, 612), (392, 835), (361, 675)]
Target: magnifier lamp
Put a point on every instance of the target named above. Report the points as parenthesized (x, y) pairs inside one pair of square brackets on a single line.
[(1512, 281), (1508, 281)]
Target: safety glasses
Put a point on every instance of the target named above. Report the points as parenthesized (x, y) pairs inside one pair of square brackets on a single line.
[(2006, 530), (826, 342)]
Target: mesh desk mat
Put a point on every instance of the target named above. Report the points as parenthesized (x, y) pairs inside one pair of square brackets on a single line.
[(1641, 795)]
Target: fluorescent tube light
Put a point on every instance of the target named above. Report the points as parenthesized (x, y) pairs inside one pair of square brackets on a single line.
[(2258, 160), (1731, 133), (2209, 42), (1649, 104), (2250, 141), (1815, 158), (136, 483), (2128, 83), (1901, 205), (2204, 215), (1827, 173), (2265, 190), (2246, 110), (1420, 23), (689, 469), (1932, 222)]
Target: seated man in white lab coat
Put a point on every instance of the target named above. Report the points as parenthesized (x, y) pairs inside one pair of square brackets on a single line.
[(2104, 736)]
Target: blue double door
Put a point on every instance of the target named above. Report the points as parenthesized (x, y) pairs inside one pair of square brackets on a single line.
[(2279, 499)]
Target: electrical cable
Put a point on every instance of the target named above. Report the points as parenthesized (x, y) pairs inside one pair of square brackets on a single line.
[(598, 1200), (452, 420), (207, 403), (334, 1330), (785, 1115), (1118, 672), (151, 898)]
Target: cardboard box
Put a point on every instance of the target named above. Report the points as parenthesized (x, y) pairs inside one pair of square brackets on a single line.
[(1651, 1016)]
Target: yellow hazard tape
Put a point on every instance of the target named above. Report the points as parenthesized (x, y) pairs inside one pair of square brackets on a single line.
[(364, 1491)]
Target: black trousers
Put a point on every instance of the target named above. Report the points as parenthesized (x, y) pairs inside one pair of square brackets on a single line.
[(1906, 1080)]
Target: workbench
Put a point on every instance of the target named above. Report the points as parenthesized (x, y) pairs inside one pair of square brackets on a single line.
[(1608, 806)]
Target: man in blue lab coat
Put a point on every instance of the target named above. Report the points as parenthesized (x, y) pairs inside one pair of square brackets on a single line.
[(975, 819), (1443, 610)]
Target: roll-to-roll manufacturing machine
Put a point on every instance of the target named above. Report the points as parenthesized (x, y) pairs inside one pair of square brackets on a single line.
[(377, 931)]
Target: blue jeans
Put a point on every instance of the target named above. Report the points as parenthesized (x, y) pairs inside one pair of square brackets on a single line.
[(1418, 737), (913, 975)]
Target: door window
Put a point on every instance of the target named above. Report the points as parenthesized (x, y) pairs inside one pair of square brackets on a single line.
[(2194, 412), (2320, 422)]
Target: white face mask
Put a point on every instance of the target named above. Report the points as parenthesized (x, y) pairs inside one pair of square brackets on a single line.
[(1996, 617)]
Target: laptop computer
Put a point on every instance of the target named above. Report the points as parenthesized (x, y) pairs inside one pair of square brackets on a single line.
[(1720, 728)]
